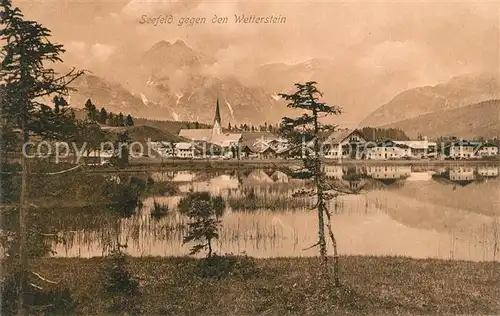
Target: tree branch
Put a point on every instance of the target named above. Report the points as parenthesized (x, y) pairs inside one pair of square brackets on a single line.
[(315, 245), (36, 286), (43, 279)]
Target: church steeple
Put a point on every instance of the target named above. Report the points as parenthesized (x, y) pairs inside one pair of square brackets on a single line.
[(217, 129)]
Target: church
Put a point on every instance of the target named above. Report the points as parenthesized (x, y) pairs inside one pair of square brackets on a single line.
[(213, 135)]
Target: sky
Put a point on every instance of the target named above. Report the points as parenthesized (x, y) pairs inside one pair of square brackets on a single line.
[(417, 42)]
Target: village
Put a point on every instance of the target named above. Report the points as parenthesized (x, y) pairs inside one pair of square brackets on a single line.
[(341, 144)]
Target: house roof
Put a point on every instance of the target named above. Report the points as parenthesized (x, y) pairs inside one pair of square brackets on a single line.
[(260, 142), (183, 145), (196, 134), (416, 144), (249, 138), (224, 139), (390, 143), (339, 136), (466, 143), (488, 145)]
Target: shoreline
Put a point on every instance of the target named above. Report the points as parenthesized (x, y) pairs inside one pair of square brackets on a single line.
[(139, 165)]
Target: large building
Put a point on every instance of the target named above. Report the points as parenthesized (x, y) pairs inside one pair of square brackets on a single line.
[(419, 148), (213, 135), (387, 150), (344, 143)]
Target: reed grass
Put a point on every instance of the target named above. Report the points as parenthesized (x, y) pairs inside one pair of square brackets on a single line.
[(252, 202)]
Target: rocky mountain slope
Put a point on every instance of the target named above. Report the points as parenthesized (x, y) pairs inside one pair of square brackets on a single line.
[(456, 93), (180, 79), (103, 93), (172, 81), (476, 120)]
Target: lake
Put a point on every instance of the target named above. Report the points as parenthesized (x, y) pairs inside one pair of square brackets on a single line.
[(447, 212)]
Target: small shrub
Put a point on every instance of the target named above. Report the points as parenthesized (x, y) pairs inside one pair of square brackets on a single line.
[(125, 200), (204, 211), (158, 210), (119, 286)]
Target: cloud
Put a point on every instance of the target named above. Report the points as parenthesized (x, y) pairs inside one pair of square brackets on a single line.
[(76, 47), (392, 56), (415, 42), (82, 53), (101, 52)]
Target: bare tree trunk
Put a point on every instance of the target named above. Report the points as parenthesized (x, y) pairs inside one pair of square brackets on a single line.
[(319, 190), (209, 243), (336, 266), (23, 203), (321, 221)]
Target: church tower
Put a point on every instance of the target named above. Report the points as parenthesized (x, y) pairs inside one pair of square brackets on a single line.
[(217, 129)]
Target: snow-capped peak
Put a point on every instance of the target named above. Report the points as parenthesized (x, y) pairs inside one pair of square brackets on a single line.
[(144, 99), (230, 108)]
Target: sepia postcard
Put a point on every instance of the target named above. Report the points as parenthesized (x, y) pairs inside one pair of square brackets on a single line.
[(281, 157)]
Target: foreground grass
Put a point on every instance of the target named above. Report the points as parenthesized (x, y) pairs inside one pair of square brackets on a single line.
[(286, 286)]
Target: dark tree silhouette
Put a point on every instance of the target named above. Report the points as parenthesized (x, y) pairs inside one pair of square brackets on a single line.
[(91, 110), (26, 78), (103, 116), (204, 212), (121, 150), (120, 121), (129, 121), (303, 132)]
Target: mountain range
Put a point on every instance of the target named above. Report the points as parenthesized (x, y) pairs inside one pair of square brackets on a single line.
[(477, 120), (458, 92), (172, 81)]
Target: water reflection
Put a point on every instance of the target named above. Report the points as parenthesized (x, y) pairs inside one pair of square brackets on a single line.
[(420, 212)]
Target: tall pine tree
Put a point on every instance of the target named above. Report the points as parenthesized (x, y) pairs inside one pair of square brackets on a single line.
[(103, 116), (120, 121), (129, 121), (91, 110), (27, 54), (303, 132)]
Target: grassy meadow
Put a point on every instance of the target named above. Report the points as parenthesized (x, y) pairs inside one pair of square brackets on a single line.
[(286, 286)]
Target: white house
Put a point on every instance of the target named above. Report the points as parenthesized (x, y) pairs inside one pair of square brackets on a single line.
[(184, 150), (164, 149), (387, 150), (487, 150), (346, 143), (462, 149), (419, 148)]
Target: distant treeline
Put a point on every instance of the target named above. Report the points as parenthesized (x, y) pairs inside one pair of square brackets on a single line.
[(175, 126), (105, 117), (254, 128), (172, 127), (380, 134)]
